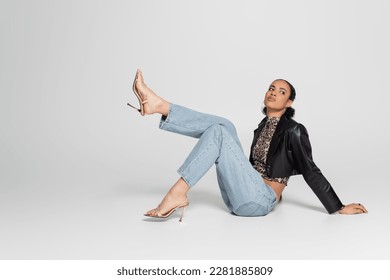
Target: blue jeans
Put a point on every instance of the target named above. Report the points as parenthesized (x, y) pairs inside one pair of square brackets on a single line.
[(242, 187)]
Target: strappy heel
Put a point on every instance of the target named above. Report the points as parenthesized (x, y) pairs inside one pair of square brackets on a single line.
[(155, 213), (138, 95)]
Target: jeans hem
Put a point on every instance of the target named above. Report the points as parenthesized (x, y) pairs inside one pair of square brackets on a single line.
[(165, 119), (184, 178)]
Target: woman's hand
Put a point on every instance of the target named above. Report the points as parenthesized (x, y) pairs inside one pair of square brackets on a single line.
[(353, 208)]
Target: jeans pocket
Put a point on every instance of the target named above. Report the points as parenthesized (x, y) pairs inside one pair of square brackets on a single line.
[(251, 209)]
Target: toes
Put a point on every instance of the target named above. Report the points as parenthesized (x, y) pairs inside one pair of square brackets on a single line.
[(140, 79), (152, 213), (140, 75)]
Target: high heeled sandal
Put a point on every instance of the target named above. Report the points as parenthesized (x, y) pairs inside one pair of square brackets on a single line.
[(155, 213), (138, 95)]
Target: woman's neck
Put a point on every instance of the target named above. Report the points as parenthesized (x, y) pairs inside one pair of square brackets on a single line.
[(275, 114)]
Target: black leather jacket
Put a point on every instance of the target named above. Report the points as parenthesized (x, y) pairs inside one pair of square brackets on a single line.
[(290, 154)]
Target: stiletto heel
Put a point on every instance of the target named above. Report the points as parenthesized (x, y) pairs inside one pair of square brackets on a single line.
[(182, 212), (138, 95), (155, 213)]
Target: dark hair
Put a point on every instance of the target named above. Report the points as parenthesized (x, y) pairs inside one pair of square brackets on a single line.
[(290, 112)]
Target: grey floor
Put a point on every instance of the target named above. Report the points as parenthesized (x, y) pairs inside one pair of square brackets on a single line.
[(103, 220)]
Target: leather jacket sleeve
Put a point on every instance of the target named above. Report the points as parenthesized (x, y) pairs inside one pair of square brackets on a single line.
[(302, 154)]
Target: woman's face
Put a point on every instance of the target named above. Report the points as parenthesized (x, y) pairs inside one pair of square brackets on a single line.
[(276, 99)]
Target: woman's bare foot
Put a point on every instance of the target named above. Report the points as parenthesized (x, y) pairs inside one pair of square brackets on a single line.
[(176, 196), (154, 104)]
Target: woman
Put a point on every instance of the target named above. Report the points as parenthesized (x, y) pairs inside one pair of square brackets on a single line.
[(280, 149)]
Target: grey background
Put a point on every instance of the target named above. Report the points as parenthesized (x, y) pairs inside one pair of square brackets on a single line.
[(78, 168)]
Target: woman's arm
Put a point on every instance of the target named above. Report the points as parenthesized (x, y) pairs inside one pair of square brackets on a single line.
[(303, 159)]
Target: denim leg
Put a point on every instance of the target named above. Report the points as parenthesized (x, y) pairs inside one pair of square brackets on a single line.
[(191, 123), (242, 188)]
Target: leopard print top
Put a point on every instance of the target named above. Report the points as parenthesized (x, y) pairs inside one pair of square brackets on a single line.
[(260, 150)]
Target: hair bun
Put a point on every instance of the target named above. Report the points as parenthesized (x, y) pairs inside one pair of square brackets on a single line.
[(290, 112)]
